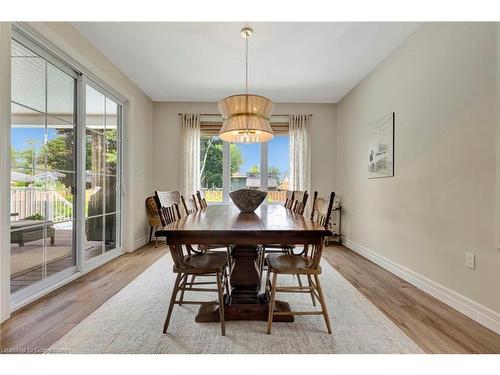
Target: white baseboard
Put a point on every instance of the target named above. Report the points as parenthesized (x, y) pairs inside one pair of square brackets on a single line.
[(481, 314), (140, 243)]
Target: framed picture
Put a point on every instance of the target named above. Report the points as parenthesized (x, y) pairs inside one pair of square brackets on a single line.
[(381, 147)]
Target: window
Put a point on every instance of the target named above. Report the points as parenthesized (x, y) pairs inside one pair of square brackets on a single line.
[(227, 167), (65, 170), (43, 174), (102, 189)]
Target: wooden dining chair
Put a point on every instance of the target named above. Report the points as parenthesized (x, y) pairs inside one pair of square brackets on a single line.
[(168, 203), (189, 262), (306, 263), (289, 199), (299, 201), (202, 202), (190, 206)]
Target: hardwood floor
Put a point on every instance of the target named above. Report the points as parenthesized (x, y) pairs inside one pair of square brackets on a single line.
[(435, 327)]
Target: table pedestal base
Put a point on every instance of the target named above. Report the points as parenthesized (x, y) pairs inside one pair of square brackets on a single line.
[(209, 312)]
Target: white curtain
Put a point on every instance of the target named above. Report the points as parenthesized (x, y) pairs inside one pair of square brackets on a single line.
[(300, 160), (190, 158)]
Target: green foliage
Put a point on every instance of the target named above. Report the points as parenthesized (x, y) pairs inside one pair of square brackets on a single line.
[(275, 171), (36, 216), (254, 169), (211, 154)]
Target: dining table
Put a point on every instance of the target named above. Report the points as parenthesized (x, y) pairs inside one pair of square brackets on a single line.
[(245, 234)]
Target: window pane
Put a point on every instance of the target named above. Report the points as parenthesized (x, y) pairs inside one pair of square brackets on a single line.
[(278, 168), (60, 147), (111, 150), (60, 191), (211, 150), (94, 109), (110, 232), (59, 252), (95, 151), (93, 237), (110, 194), (60, 94), (94, 195), (27, 137), (26, 255), (245, 166), (27, 77), (27, 195)]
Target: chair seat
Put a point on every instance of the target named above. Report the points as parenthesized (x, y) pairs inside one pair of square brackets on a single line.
[(204, 263), (291, 264)]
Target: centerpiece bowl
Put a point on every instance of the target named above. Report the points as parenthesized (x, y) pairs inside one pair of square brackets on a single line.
[(247, 200)]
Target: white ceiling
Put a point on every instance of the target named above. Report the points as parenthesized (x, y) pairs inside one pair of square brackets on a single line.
[(288, 62)]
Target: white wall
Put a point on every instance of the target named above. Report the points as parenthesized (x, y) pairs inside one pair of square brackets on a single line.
[(5, 167), (167, 136), (442, 85), (138, 131)]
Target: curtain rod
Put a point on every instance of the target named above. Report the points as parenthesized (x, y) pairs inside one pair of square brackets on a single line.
[(218, 114)]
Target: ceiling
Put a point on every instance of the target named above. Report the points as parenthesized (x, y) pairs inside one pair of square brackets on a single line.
[(288, 61)]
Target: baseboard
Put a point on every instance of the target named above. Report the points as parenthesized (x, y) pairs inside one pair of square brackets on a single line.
[(481, 314), (140, 243)]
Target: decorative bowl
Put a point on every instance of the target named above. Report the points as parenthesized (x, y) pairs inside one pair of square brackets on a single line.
[(247, 200)]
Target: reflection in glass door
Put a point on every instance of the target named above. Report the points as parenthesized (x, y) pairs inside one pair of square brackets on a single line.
[(43, 168), (103, 116)]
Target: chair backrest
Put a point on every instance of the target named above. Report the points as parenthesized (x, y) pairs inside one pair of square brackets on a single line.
[(321, 214), (322, 209), (289, 199), (299, 201), (202, 202), (152, 212), (189, 205), (168, 205)]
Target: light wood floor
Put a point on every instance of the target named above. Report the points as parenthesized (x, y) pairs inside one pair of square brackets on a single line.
[(435, 327)]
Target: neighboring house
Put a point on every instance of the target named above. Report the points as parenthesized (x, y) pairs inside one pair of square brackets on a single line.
[(253, 181)]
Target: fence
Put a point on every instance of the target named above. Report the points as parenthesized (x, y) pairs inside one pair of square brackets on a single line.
[(29, 201), (272, 196)]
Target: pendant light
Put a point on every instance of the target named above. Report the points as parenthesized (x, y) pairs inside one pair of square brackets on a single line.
[(246, 117)]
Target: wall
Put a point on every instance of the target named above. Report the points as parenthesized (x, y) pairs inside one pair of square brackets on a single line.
[(4, 166), (442, 85), (138, 131), (167, 140)]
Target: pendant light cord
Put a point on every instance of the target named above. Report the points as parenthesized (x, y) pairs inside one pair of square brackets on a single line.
[(246, 65)]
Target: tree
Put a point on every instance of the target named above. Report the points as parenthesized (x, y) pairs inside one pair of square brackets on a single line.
[(254, 169), (211, 160), (276, 172)]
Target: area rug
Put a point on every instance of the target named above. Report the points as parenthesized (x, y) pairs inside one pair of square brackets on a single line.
[(132, 321)]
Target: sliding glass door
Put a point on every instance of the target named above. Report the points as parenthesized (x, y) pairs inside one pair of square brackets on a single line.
[(43, 168), (65, 170), (103, 117)]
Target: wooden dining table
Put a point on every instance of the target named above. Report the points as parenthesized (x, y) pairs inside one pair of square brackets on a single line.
[(244, 233)]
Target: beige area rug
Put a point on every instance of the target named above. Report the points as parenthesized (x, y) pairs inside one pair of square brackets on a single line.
[(132, 322)]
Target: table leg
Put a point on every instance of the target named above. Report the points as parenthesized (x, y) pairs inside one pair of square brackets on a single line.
[(245, 302)]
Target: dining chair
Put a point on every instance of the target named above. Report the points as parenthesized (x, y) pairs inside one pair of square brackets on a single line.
[(168, 203), (202, 202), (306, 263), (189, 262), (190, 206), (153, 214), (289, 199), (299, 201)]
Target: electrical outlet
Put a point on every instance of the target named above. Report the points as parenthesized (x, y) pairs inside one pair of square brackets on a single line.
[(470, 260)]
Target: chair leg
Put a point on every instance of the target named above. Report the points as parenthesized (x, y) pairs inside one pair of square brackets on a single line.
[(267, 289), (172, 301), (300, 281), (150, 234), (183, 287), (271, 304), (323, 304), (309, 279), (221, 303)]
